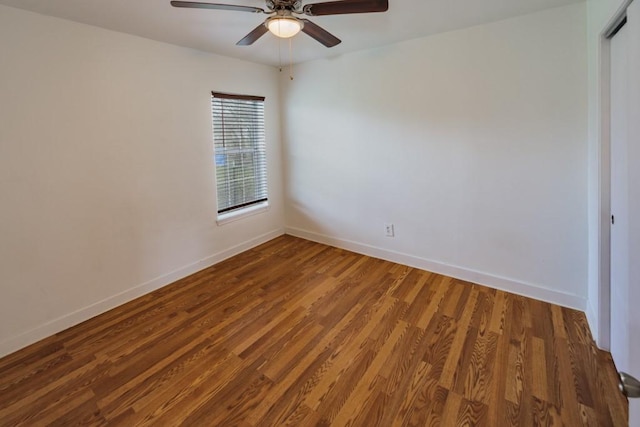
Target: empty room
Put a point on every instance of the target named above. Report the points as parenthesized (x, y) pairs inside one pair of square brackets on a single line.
[(285, 212)]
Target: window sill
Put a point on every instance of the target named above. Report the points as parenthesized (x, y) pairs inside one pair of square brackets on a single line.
[(228, 217)]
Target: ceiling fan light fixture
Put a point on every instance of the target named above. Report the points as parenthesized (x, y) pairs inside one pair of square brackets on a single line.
[(284, 26)]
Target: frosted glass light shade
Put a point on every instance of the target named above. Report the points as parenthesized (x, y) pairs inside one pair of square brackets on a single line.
[(284, 27)]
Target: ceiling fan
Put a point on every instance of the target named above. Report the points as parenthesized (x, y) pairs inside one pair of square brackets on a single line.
[(283, 22)]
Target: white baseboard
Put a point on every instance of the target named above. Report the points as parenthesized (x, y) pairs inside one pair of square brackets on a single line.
[(57, 325), (492, 281), (594, 325)]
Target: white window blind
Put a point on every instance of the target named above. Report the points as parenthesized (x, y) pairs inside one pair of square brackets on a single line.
[(240, 152)]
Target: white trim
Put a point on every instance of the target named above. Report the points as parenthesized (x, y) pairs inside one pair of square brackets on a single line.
[(54, 326), (604, 198), (502, 283), (592, 320), (232, 216)]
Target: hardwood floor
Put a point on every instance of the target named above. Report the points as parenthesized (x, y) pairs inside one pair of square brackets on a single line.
[(298, 333)]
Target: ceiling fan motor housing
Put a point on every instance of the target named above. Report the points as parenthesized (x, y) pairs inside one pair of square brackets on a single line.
[(292, 5)]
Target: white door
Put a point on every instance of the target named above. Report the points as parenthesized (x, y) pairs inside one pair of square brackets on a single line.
[(619, 198), (625, 200)]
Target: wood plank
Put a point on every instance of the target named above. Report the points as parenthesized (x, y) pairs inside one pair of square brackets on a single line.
[(362, 392)]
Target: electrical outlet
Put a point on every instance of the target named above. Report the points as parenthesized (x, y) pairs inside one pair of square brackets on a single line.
[(388, 230)]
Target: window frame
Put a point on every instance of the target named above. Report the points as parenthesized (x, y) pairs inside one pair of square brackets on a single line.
[(247, 207)]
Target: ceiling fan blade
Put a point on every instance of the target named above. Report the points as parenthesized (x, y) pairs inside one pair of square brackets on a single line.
[(320, 34), (346, 6), (219, 6), (254, 35)]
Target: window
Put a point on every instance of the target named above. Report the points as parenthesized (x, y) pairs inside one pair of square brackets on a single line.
[(240, 153)]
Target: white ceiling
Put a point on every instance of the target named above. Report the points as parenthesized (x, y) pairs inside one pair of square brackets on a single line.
[(217, 31)]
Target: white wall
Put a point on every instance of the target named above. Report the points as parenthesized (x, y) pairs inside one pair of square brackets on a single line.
[(106, 175), (473, 143)]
